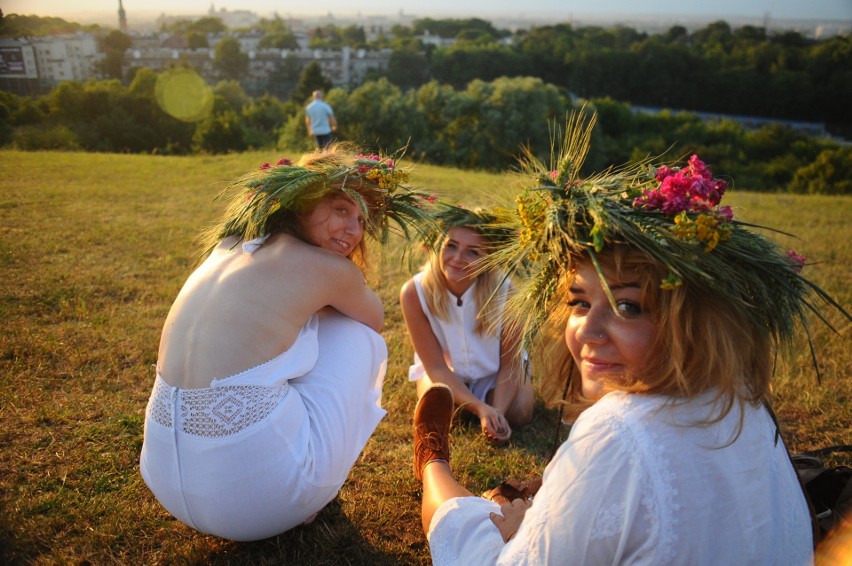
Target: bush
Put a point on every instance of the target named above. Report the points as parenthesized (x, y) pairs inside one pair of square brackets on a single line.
[(829, 174), (43, 136)]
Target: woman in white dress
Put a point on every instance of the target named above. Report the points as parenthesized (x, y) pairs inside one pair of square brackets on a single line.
[(659, 316), (270, 367), (453, 313)]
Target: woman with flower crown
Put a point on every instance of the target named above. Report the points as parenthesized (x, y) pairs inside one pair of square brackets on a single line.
[(657, 316), (453, 314), (270, 366)]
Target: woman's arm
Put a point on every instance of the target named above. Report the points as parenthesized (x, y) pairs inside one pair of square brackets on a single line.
[(432, 356), (510, 374), (345, 289)]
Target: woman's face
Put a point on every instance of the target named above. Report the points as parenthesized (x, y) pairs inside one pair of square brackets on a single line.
[(335, 224), (604, 345), (461, 248)]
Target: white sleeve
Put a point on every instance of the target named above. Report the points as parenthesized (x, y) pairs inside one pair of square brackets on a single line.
[(594, 504)]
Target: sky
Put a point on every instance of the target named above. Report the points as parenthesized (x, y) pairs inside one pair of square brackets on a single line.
[(777, 9)]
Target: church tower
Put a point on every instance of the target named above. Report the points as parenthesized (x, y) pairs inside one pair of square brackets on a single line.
[(122, 17)]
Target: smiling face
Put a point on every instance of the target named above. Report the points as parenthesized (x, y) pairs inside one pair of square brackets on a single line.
[(335, 224), (607, 347), (461, 248)]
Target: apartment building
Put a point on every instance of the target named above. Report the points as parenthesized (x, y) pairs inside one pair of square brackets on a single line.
[(65, 57)]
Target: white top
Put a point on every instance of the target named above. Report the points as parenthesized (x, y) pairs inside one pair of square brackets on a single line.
[(635, 484), (259, 452), (470, 355)]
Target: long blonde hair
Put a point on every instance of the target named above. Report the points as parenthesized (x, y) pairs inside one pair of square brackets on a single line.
[(702, 343)]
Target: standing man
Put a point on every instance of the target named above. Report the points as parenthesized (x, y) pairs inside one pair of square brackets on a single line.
[(320, 120)]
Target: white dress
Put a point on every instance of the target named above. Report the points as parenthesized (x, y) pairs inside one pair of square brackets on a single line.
[(258, 453), (473, 357), (634, 484)]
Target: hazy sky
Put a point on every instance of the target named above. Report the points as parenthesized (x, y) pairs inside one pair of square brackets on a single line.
[(781, 9)]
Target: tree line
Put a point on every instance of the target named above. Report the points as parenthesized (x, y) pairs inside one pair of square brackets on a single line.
[(714, 69), (481, 126), (717, 68)]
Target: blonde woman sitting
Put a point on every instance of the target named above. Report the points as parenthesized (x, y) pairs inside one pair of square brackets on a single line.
[(453, 313)]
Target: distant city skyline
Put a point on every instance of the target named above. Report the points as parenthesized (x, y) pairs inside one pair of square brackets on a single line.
[(827, 10)]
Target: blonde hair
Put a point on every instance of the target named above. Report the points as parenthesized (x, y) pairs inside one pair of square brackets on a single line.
[(703, 343), (436, 292)]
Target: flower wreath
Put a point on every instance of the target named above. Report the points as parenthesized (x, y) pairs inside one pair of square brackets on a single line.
[(673, 215), (261, 199)]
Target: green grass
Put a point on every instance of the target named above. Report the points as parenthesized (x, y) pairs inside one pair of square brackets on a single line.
[(93, 250)]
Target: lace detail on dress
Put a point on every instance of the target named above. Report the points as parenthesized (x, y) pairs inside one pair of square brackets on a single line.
[(215, 412), (160, 405), (609, 521)]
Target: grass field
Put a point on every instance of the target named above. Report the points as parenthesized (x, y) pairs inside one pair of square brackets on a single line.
[(94, 248)]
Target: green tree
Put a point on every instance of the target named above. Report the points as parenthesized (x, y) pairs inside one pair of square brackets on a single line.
[(220, 133), (282, 81), (66, 99), (197, 40), (451, 28), (312, 79), (284, 39), (16, 25), (545, 50), (326, 37), (408, 68), (8, 103), (229, 95), (276, 34), (375, 115), (354, 36), (262, 119), (229, 60), (208, 25), (829, 174), (463, 62), (435, 105), (114, 45)]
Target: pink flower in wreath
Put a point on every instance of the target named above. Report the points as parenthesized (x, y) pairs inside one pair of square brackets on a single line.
[(797, 259), (691, 189)]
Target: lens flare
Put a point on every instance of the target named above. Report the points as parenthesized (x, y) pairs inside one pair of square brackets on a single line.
[(183, 94)]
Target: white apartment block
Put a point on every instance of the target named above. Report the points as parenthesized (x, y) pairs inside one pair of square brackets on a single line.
[(344, 68), (46, 61), (66, 57)]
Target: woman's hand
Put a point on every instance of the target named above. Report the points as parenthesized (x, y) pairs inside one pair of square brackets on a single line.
[(510, 521), (494, 425)]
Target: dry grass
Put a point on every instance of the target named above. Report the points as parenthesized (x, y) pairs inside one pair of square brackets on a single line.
[(93, 250)]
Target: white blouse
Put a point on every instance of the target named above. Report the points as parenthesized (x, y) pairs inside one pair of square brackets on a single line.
[(634, 483), (470, 355)]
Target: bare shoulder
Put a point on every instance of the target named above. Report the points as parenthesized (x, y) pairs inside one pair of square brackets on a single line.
[(408, 291), (300, 260), (408, 297)]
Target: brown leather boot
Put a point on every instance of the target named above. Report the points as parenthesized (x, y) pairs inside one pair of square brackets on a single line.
[(432, 418)]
